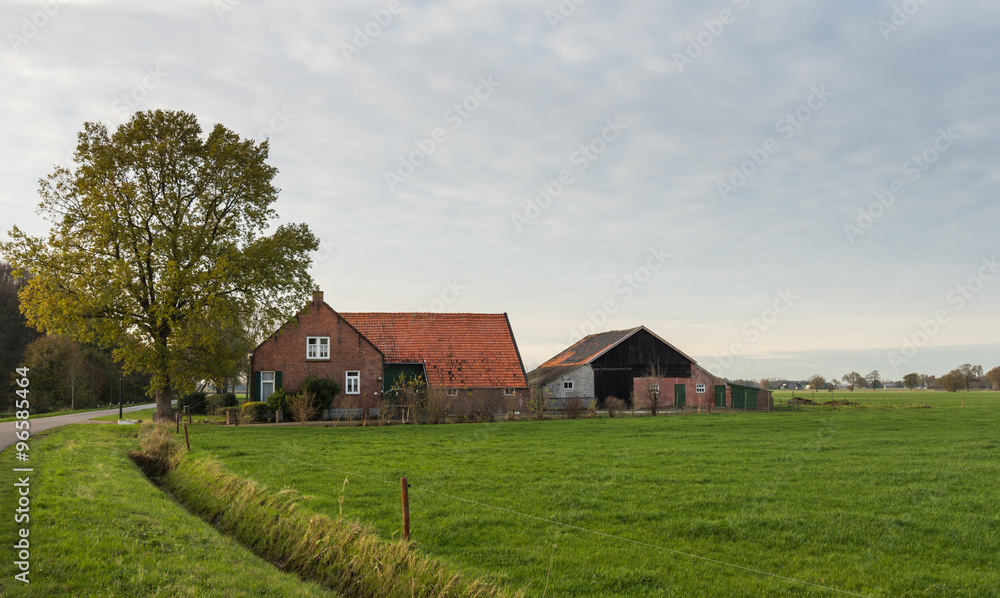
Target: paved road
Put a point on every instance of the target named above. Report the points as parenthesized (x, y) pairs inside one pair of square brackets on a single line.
[(7, 429)]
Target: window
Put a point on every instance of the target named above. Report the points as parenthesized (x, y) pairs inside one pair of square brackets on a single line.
[(567, 385), (318, 347), (508, 392), (699, 388), (452, 392), (654, 388), (266, 385), (352, 385)]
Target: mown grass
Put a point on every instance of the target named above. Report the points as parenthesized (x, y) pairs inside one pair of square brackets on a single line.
[(875, 502), (99, 528)]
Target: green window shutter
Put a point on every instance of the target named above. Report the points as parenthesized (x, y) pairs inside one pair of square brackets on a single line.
[(277, 380), (254, 389)]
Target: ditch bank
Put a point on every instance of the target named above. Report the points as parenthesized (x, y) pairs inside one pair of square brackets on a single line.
[(341, 555)]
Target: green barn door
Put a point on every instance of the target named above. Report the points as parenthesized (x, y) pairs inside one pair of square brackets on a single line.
[(678, 395), (751, 399), (720, 395), (739, 399)]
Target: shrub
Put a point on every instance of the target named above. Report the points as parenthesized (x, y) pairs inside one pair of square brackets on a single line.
[(573, 407), (254, 411), (302, 408), (614, 406), (197, 402), (320, 391), (229, 400), (278, 401), (437, 406)]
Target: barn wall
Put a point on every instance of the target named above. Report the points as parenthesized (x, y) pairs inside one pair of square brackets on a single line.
[(692, 398), (583, 386)]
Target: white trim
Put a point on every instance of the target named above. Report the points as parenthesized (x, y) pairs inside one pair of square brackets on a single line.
[(352, 376), (509, 392), (568, 385), (699, 389), (322, 346), (272, 382), (452, 392)]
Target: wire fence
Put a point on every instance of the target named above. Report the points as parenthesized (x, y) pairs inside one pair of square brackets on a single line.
[(417, 488)]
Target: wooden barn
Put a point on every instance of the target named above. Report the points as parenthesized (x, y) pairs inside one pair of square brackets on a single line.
[(629, 365)]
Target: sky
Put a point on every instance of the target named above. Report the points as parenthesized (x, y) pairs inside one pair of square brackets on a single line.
[(778, 189)]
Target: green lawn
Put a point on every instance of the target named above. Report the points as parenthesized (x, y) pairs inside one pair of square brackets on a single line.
[(875, 502), (99, 528)]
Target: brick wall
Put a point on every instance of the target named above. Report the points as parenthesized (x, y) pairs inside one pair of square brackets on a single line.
[(285, 352), (691, 397)]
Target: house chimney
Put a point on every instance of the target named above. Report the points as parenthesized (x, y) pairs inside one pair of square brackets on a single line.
[(317, 296)]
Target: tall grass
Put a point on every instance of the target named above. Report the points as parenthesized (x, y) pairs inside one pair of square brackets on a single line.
[(341, 555)]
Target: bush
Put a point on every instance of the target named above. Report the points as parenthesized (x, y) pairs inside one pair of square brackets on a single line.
[(320, 391), (197, 403), (255, 411), (229, 400), (278, 401), (573, 407), (302, 408), (614, 405)]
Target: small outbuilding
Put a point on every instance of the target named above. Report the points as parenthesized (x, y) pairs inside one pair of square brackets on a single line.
[(635, 365)]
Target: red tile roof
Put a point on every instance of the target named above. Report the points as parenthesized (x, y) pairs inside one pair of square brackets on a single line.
[(458, 350)]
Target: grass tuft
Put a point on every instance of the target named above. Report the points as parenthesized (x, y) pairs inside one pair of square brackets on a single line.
[(341, 555)]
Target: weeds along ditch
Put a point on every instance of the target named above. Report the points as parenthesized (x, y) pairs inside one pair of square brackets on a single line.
[(818, 502)]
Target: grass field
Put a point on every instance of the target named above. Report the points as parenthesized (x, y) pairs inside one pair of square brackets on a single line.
[(874, 501), (99, 528)]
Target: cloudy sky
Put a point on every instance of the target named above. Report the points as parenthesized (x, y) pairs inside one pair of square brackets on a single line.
[(777, 188)]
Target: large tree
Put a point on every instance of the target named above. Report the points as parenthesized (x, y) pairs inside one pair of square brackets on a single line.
[(854, 380), (911, 381), (158, 247), (873, 378), (994, 377)]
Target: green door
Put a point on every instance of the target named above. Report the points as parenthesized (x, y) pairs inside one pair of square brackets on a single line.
[(739, 399), (678, 395), (720, 395), (751, 398)]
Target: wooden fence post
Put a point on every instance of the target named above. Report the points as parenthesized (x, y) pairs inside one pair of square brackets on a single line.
[(177, 418), (186, 439), (406, 509)]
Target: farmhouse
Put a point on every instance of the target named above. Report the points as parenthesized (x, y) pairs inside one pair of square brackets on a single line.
[(631, 364), (368, 353)]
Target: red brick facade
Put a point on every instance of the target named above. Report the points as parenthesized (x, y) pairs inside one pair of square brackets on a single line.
[(691, 396), (285, 352)]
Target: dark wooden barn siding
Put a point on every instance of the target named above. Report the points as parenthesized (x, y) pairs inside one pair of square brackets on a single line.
[(614, 371)]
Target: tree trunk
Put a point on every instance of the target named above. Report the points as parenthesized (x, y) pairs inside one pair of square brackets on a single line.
[(164, 407)]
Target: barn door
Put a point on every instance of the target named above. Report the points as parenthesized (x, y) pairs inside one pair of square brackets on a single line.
[(720, 395), (678, 395)]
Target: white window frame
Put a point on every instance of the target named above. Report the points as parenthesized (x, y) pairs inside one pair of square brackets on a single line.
[(699, 389), (263, 382), (654, 388), (355, 377), (321, 346), (452, 392), (568, 385), (508, 392)]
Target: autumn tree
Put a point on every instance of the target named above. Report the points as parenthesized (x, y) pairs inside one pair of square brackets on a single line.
[(854, 380), (994, 378), (952, 381), (911, 381), (817, 382), (158, 249), (972, 374), (873, 378)]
